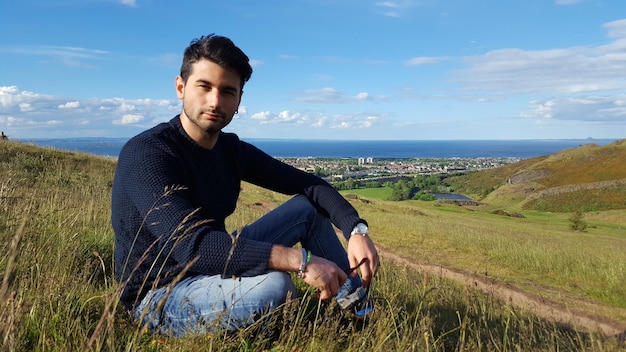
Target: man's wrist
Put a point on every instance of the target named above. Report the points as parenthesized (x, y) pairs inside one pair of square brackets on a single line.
[(285, 258), (360, 229), (306, 258)]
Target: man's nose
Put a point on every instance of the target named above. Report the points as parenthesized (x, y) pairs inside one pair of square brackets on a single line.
[(213, 98)]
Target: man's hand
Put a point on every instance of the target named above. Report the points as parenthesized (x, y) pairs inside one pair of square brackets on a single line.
[(360, 247), (320, 273), (324, 275)]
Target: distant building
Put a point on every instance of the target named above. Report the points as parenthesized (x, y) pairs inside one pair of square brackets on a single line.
[(369, 160)]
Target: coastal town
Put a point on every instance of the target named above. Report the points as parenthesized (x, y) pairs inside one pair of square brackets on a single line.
[(371, 168)]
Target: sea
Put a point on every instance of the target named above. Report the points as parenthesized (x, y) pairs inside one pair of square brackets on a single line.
[(381, 149)]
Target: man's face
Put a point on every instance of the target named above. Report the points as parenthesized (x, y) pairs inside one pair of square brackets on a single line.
[(211, 96)]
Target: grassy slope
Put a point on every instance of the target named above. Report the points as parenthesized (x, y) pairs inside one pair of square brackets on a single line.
[(539, 249), (589, 178), (56, 264)]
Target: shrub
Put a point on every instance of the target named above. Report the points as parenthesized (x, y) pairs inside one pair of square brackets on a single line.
[(576, 222)]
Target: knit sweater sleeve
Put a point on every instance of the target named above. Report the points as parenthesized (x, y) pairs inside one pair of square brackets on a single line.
[(154, 211), (261, 169)]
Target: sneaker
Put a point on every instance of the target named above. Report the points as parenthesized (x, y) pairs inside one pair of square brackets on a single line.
[(357, 304), (364, 308)]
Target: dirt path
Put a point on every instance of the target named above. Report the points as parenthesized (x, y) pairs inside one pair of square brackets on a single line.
[(506, 293)]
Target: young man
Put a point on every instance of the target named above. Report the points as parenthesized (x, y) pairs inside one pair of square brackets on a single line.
[(176, 183)]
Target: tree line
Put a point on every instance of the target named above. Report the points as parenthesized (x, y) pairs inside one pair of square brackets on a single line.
[(420, 187)]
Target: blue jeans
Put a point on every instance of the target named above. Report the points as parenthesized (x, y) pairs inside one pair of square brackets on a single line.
[(205, 304)]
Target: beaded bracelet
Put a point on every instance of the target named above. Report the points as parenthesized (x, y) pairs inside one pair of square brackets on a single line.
[(306, 258)]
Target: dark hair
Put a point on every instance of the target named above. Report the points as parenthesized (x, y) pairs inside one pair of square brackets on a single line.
[(219, 50)]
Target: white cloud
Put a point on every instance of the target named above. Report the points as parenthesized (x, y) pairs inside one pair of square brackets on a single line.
[(389, 8), (125, 107), (23, 109), (34, 113), (8, 91), (11, 96), (540, 109), (362, 96), (295, 120), (129, 119), (607, 109), (10, 121), (357, 121), (617, 29), (393, 8), (342, 125), (70, 105), (287, 116), (423, 60), (369, 121), (319, 122), (262, 116), (330, 95), (558, 71), (326, 94), (66, 55), (255, 63), (131, 3), (586, 83)]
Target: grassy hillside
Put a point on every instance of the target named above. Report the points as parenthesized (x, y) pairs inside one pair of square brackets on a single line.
[(587, 178), (57, 291)]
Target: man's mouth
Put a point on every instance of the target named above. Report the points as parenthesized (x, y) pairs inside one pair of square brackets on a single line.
[(213, 115)]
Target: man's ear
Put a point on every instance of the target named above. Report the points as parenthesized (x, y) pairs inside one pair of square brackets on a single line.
[(180, 87)]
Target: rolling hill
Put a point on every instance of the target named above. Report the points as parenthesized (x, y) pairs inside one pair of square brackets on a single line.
[(587, 178)]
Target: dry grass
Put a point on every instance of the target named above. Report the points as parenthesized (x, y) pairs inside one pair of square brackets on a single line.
[(58, 293)]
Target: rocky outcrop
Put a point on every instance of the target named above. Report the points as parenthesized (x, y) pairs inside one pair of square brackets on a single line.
[(529, 176), (574, 188)]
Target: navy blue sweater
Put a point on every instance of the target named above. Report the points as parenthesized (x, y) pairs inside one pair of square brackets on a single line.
[(171, 197)]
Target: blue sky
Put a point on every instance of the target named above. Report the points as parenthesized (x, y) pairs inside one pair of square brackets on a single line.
[(323, 69)]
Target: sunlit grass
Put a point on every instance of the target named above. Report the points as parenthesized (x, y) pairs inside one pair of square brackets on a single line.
[(376, 193), (58, 293)]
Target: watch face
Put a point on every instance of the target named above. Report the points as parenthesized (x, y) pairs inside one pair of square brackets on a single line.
[(361, 228)]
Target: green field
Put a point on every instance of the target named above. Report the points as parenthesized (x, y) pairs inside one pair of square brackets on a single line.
[(58, 294), (382, 193)]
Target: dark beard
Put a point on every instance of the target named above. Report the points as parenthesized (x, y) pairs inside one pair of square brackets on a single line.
[(196, 120)]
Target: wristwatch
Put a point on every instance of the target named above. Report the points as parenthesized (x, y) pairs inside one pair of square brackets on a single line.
[(360, 229)]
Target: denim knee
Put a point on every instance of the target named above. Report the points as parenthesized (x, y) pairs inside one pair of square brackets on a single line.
[(279, 288)]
